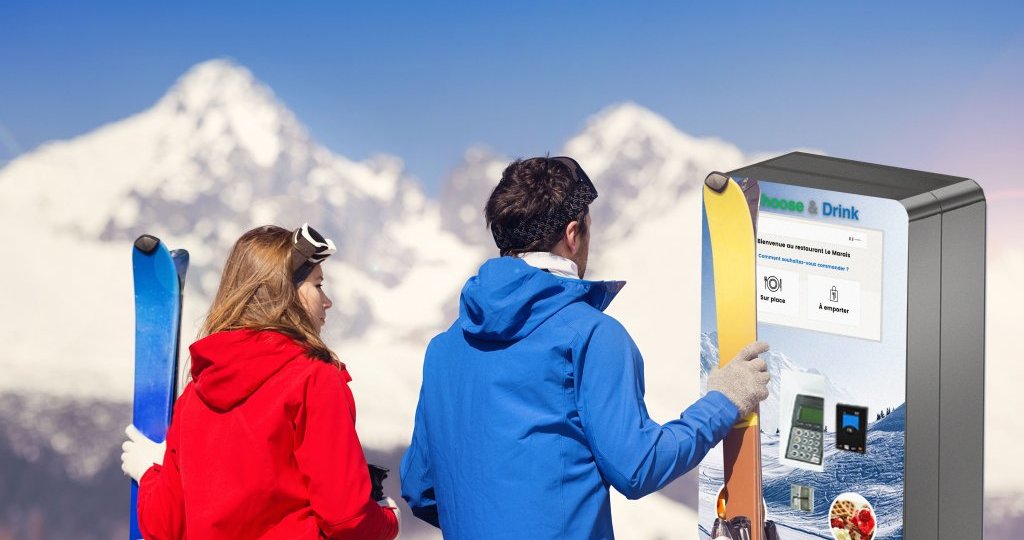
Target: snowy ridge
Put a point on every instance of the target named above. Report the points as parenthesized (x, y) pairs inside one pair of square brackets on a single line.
[(215, 156), (641, 164)]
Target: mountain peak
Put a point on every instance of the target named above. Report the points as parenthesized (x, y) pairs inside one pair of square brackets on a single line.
[(220, 97), (621, 122), (629, 112), (217, 68), (643, 164), (216, 81)]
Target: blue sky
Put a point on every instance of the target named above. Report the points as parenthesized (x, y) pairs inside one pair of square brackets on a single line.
[(927, 85)]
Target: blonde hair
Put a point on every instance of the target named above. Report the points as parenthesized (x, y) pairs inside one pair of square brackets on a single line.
[(257, 292)]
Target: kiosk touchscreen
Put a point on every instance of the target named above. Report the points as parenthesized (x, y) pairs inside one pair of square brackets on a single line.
[(870, 292)]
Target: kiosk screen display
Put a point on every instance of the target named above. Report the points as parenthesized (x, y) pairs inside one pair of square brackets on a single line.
[(819, 276)]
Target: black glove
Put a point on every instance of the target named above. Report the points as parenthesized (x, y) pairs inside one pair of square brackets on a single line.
[(377, 476)]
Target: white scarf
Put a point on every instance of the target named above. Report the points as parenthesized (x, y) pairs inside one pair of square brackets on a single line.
[(555, 264)]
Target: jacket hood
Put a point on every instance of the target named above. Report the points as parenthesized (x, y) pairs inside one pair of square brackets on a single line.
[(508, 299), (227, 367)]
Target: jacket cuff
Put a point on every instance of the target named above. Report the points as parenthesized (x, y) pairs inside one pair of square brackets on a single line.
[(727, 410), (151, 474)]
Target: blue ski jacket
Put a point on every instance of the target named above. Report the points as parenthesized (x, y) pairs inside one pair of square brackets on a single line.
[(532, 406)]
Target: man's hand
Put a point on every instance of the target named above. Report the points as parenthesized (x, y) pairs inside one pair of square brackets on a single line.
[(140, 453), (744, 380)]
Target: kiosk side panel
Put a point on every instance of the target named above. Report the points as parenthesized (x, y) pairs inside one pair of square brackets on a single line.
[(962, 412)]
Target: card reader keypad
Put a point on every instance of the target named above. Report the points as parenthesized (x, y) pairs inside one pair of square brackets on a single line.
[(805, 445)]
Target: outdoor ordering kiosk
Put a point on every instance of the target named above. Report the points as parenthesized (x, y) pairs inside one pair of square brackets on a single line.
[(870, 285)]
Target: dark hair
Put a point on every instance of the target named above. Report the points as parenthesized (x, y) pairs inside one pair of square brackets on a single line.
[(531, 190)]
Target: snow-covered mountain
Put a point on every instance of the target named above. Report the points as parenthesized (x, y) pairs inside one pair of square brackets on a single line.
[(215, 156), (645, 165), (466, 190), (219, 154), (642, 166)]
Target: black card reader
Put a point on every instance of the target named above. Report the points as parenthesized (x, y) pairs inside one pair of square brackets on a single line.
[(851, 428)]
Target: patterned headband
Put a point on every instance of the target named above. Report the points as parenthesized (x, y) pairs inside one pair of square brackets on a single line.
[(581, 193)]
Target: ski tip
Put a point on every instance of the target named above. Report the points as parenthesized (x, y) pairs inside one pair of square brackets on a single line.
[(180, 255), (180, 258), (717, 181), (147, 243)]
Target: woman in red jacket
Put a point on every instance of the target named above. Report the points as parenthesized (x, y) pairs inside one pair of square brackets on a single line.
[(263, 442)]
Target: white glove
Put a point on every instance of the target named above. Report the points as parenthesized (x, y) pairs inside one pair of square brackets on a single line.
[(744, 380), (140, 453), (388, 502)]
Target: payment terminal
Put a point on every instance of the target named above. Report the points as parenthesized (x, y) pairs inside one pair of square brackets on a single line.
[(806, 433)]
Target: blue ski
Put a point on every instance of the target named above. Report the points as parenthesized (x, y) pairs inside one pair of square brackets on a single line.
[(159, 276)]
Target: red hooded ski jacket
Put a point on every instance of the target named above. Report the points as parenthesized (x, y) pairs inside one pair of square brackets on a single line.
[(262, 445)]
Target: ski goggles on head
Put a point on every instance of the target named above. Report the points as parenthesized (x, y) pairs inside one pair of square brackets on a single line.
[(581, 193), (310, 247)]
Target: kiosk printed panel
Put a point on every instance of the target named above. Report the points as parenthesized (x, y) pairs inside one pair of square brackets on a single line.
[(832, 303)]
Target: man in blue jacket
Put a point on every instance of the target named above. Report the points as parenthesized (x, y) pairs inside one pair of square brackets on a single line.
[(532, 402)]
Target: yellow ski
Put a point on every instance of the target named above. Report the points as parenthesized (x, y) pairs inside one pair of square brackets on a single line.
[(731, 209)]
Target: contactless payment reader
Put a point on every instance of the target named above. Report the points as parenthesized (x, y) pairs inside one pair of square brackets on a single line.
[(869, 286), (853, 426)]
